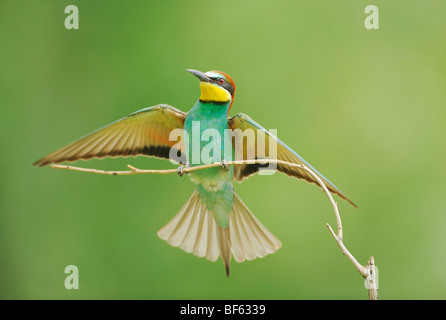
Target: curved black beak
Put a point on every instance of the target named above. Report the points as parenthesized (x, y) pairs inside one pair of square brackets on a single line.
[(200, 75)]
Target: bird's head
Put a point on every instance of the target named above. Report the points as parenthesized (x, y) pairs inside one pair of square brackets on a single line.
[(215, 86)]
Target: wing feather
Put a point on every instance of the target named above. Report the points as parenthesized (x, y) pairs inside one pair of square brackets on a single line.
[(285, 153), (145, 132)]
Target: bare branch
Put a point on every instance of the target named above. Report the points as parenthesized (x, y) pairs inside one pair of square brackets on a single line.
[(97, 171), (368, 272)]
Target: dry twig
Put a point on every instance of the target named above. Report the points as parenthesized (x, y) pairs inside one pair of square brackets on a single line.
[(368, 271)]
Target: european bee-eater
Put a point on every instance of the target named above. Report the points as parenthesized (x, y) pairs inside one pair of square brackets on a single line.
[(214, 221)]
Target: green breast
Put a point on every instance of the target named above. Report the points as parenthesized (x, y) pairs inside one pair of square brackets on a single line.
[(206, 126)]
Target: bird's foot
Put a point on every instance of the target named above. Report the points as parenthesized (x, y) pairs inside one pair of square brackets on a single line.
[(224, 164), (180, 170)]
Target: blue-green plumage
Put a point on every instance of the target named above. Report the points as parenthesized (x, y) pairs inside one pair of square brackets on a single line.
[(206, 126)]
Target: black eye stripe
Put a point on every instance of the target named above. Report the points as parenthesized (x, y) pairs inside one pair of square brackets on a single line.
[(228, 87), (225, 84), (215, 79)]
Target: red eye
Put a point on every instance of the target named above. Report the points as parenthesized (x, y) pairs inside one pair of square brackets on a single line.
[(221, 81)]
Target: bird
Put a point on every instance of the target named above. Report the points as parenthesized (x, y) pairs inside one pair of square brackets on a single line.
[(214, 222)]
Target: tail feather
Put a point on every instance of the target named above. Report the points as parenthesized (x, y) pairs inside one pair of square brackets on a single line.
[(254, 240), (180, 224), (224, 241), (195, 230)]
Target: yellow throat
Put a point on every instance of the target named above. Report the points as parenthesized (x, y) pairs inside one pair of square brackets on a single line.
[(212, 92)]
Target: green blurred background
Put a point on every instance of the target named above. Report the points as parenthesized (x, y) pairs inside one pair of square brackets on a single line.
[(365, 107)]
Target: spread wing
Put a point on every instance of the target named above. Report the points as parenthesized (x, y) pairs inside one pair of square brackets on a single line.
[(285, 153), (144, 132)]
